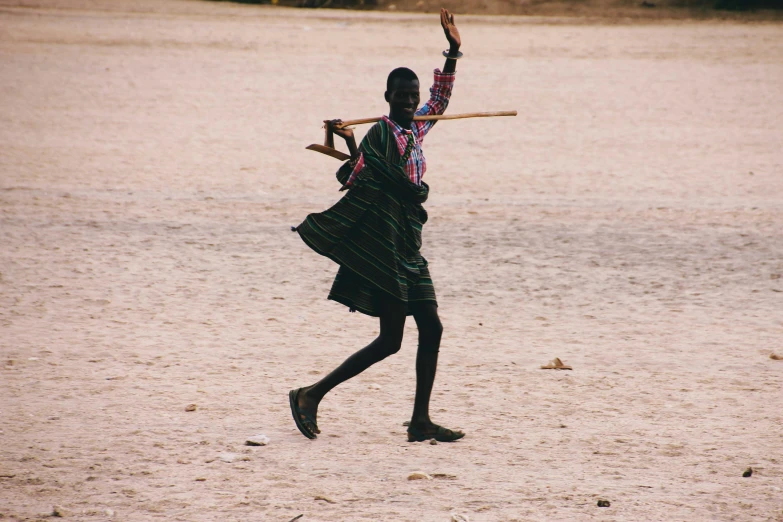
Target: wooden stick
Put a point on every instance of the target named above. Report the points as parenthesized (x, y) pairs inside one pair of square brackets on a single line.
[(436, 117)]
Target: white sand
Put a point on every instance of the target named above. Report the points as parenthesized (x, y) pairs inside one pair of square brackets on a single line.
[(629, 221)]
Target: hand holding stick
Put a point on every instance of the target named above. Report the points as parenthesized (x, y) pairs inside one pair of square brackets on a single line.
[(345, 132)]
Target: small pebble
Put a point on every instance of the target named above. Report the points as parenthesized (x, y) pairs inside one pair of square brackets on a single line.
[(59, 511), (191, 407), (257, 440), (748, 472), (325, 499), (456, 517), (603, 503), (433, 442), (200, 479), (227, 457), (419, 475)]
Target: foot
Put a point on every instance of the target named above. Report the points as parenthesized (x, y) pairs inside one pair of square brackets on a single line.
[(418, 432), (304, 410), (309, 407)]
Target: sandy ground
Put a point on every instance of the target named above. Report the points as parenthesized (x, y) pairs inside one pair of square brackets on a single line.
[(629, 221)]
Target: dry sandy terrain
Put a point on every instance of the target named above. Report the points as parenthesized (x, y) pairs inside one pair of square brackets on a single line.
[(629, 221)]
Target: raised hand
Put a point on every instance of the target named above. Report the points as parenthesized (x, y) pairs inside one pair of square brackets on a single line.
[(451, 31)]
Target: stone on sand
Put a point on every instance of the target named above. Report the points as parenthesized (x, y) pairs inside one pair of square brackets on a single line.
[(227, 457), (59, 511), (257, 440)]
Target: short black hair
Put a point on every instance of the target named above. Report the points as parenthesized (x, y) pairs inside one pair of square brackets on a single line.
[(400, 73)]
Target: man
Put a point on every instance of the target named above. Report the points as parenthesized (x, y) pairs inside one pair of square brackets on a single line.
[(374, 234)]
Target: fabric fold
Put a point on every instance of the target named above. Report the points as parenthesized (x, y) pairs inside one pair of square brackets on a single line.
[(374, 231)]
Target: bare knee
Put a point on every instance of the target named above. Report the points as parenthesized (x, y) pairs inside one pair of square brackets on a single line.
[(389, 343), (392, 322), (430, 332)]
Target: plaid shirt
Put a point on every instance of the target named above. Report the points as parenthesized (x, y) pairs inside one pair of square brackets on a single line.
[(416, 165)]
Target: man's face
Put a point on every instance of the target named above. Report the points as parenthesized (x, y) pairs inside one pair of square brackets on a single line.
[(403, 100)]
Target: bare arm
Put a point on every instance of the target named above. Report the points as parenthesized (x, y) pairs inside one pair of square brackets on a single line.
[(452, 35)]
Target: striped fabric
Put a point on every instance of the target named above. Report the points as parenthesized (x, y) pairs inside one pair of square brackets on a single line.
[(374, 231)]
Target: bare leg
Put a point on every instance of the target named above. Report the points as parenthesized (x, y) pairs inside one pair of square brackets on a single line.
[(392, 321), (430, 331)]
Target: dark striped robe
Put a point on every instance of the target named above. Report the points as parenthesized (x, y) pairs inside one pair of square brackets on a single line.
[(374, 231)]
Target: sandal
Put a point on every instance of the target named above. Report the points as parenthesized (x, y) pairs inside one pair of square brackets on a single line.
[(306, 425), (441, 435)]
